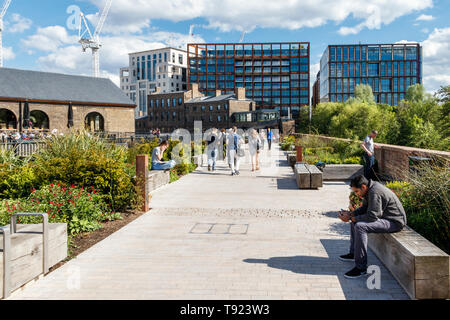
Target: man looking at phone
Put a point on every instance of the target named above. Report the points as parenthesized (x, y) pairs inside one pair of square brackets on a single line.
[(381, 212)]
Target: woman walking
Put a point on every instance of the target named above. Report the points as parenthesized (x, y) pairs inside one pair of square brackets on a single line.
[(212, 149), (254, 143)]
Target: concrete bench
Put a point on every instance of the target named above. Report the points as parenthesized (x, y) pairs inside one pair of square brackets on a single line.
[(420, 267), (308, 176), (157, 179), (23, 258), (342, 172)]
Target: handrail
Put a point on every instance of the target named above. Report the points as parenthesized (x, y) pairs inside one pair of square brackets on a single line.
[(45, 235), (6, 261)]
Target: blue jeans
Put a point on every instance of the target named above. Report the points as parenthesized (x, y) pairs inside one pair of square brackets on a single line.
[(212, 158), (164, 165), (368, 165)]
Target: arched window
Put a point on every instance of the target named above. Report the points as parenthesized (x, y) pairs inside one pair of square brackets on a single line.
[(39, 120), (95, 122), (8, 119)]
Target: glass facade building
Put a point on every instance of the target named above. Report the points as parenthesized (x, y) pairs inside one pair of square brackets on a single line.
[(389, 69), (275, 75)]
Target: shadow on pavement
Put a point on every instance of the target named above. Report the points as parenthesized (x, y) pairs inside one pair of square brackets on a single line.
[(331, 265)]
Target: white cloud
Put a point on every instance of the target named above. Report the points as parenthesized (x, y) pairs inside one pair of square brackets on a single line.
[(18, 24), (49, 39), (8, 53), (64, 54), (436, 59), (425, 17), (128, 16)]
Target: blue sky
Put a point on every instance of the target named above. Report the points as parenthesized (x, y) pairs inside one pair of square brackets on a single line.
[(36, 36)]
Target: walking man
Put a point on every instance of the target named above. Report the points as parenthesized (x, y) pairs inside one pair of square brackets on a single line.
[(381, 212), (369, 154), (269, 138)]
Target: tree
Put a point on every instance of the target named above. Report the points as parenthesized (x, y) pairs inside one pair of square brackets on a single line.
[(363, 93), (443, 94)]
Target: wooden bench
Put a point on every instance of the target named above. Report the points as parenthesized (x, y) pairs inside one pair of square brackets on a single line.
[(308, 176), (420, 267), (342, 172), (23, 258)]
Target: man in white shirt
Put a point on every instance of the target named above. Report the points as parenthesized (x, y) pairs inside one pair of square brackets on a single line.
[(233, 142), (157, 158), (369, 154)]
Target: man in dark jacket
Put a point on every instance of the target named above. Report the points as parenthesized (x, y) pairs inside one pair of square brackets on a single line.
[(381, 212)]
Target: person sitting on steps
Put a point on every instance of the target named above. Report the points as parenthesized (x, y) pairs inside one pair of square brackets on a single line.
[(381, 212)]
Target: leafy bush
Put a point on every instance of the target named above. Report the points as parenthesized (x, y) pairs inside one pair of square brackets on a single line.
[(81, 209), (353, 160), (425, 197), (287, 143), (85, 160)]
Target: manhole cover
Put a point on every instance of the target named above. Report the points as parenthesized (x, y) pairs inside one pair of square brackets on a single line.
[(219, 228)]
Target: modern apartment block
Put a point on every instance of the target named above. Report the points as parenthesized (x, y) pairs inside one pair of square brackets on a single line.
[(388, 68), (165, 68), (275, 75)]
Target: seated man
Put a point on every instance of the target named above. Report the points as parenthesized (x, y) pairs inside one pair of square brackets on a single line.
[(157, 156), (381, 212)]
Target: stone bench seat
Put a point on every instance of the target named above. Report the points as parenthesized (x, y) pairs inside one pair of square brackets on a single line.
[(420, 267), (157, 179)]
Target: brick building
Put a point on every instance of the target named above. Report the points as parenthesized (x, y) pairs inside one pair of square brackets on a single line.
[(171, 111), (97, 104)]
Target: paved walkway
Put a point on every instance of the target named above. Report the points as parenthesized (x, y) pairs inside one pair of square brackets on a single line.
[(213, 236)]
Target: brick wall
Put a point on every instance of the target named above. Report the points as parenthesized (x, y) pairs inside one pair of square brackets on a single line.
[(393, 160)]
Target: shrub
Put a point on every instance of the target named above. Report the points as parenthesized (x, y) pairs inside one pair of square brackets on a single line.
[(353, 160), (81, 209), (85, 160)]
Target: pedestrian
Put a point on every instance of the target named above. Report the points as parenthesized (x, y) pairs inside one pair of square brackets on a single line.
[(381, 212), (157, 157), (269, 138), (212, 150), (234, 141), (254, 144), (369, 154)]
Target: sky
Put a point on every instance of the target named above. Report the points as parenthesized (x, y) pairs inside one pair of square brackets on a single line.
[(40, 35)]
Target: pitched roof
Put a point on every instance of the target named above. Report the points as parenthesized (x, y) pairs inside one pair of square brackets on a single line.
[(44, 86), (206, 99)]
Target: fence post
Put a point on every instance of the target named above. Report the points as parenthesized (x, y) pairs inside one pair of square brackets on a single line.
[(141, 180)]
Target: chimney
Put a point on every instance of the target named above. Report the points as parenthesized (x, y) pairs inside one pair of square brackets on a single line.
[(218, 93), (194, 88), (240, 93)]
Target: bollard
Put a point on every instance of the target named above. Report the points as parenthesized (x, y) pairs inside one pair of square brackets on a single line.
[(299, 150), (142, 178)]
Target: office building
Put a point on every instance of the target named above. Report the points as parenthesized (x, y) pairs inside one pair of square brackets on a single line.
[(275, 75), (164, 68), (388, 68)]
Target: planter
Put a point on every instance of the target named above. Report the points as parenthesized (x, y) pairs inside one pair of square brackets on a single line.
[(342, 172)]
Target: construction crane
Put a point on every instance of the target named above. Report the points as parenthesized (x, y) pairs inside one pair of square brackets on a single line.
[(90, 40), (242, 36), (2, 14)]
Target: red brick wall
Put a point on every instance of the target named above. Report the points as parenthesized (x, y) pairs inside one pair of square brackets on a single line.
[(394, 160)]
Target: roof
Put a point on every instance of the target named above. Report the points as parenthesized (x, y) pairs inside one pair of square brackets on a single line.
[(223, 97), (156, 50), (55, 87)]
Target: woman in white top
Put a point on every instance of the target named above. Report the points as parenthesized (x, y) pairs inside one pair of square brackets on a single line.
[(254, 143)]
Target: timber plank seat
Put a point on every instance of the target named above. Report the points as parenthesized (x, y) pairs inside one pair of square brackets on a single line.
[(26, 253), (420, 267), (308, 176)]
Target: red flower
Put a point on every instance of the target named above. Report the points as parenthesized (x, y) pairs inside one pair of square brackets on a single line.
[(33, 190), (51, 202), (73, 186)]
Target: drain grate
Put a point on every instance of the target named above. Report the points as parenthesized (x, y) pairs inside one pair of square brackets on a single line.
[(219, 228)]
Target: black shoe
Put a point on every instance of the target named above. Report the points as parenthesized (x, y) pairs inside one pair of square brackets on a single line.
[(209, 168), (355, 273), (238, 173), (347, 257), (232, 174)]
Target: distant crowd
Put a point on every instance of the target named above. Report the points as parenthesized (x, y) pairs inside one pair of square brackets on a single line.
[(15, 136)]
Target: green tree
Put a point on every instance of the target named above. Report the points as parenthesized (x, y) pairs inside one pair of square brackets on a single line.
[(443, 94), (363, 93)]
